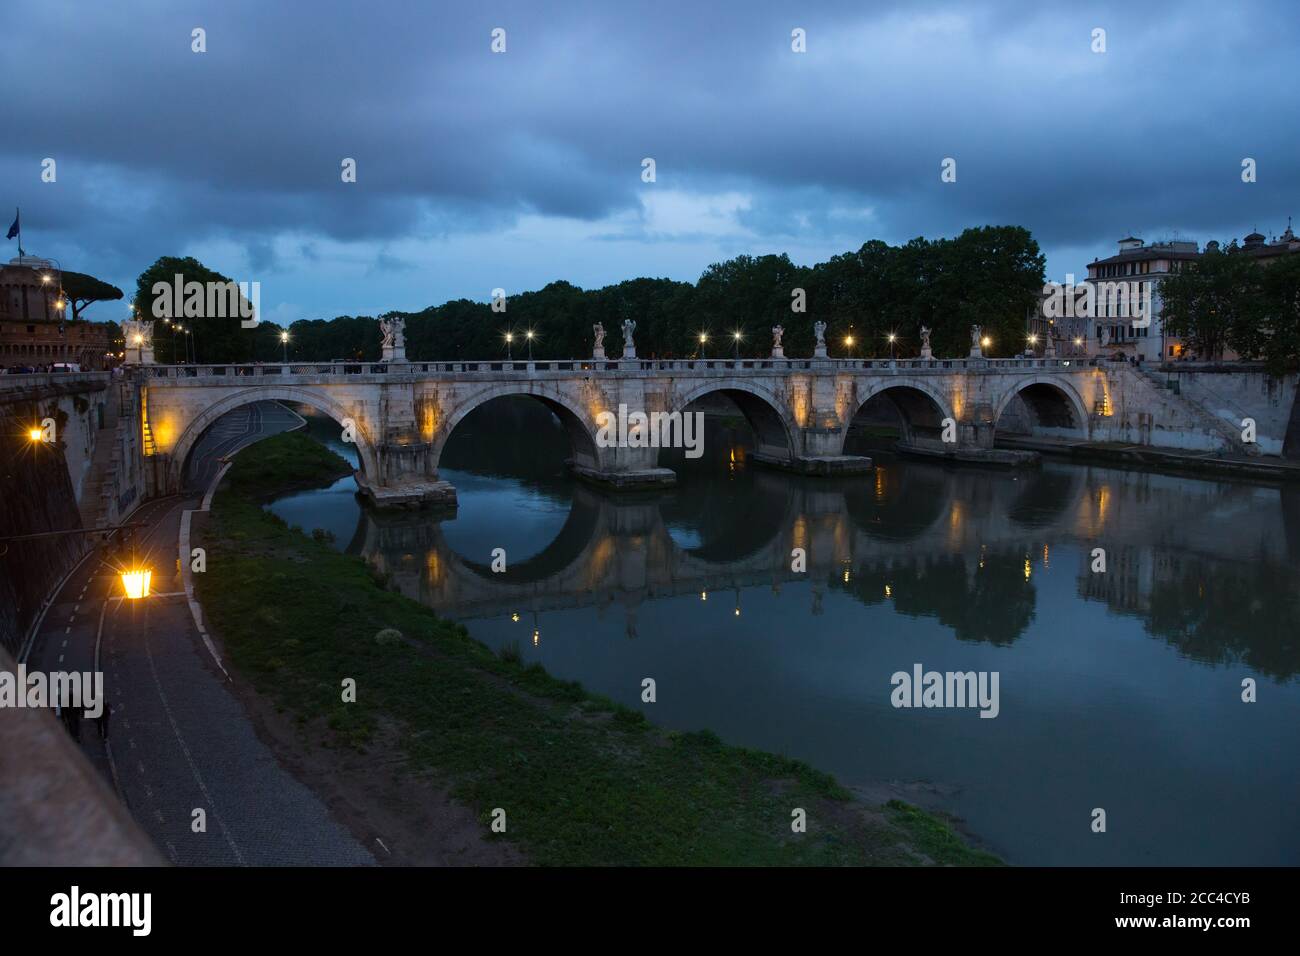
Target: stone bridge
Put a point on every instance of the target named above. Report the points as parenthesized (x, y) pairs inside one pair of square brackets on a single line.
[(400, 414)]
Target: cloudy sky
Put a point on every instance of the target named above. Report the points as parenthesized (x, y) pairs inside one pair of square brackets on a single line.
[(478, 170)]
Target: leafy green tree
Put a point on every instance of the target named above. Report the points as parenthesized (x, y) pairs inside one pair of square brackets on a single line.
[(1215, 303), (1280, 305), (214, 338)]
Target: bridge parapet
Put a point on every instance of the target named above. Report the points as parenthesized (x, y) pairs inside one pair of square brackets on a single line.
[(564, 368)]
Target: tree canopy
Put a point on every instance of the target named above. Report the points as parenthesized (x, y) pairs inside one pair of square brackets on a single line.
[(986, 276), (1229, 299), (83, 290)]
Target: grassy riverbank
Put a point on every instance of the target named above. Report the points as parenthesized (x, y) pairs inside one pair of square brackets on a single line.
[(581, 779)]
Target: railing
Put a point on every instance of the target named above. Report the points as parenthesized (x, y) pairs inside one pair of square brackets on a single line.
[(614, 366)]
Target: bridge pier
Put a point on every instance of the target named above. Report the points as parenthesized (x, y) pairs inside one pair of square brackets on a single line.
[(625, 469)]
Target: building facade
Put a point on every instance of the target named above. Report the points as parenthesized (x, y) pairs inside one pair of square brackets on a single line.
[(1126, 305), (33, 327)]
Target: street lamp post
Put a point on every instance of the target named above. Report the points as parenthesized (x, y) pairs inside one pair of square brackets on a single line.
[(704, 338), (736, 337), (284, 346), (529, 336), (510, 338), (892, 338)]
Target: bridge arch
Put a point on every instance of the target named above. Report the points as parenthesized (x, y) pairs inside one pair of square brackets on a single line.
[(582, 437), (315, 398), (774, 431), (920, 406), (1052, 401)]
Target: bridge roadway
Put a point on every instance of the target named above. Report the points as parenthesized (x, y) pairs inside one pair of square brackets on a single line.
[(400, 414)]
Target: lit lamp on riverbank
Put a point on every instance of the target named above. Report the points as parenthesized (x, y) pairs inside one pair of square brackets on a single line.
[(136, 583)]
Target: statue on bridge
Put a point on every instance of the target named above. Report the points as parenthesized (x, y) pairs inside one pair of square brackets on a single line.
[(393, 328), (819, 330), (629, 347), (598, 350), (777, 350), (138, 334), (976, 350), (925, 343)]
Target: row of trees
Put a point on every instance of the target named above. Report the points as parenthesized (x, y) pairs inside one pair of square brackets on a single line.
[(1229, 299), (986, 276)]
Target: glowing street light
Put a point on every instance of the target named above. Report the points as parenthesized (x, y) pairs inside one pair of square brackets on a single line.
[(284, 346), (529, 336), (34, 434), (510, 338), (136, 583), (704, 338), (892, 339), (736, 336), (985, 342)]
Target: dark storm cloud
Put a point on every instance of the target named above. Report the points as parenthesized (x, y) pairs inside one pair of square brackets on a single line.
[(159, 147)]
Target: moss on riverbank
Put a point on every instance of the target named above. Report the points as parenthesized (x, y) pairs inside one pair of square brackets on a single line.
[(582, 780)]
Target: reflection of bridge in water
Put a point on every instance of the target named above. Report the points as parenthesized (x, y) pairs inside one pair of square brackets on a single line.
[(614, 549)]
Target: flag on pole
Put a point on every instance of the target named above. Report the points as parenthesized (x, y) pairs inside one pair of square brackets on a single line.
[(15, 229)]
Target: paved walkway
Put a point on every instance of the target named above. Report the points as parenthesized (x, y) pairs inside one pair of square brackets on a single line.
[(1152, 456), (178, 740)]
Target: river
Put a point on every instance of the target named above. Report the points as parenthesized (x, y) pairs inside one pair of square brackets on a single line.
[(1118, 690)]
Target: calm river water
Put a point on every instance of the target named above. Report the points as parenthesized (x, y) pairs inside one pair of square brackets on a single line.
[(1120, 690)]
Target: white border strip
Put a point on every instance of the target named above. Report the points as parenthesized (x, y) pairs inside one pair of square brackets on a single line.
[(187, 576)]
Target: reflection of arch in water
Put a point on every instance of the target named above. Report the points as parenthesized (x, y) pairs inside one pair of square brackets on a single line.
[(1045, 496), (900, 502), (248, 396), (1052, 405), (565, 549), (773, 431), (582, 440), (725, 535), (918, 407)]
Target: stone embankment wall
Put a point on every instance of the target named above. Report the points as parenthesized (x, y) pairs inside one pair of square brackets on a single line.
[(1233, 392), (54, 486)]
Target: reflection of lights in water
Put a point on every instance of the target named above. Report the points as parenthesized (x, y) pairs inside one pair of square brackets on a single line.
[(1028, 569), (515, 617), (846, 575), (889, 592), (737, 612), (1046, 557), (880, 485), (704, 595), (800, 533), (537, 637)]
